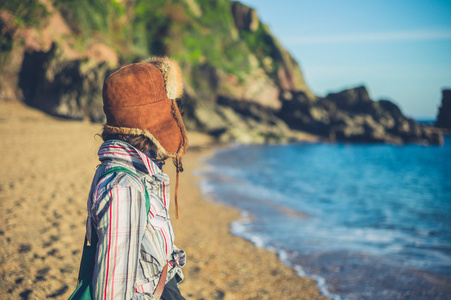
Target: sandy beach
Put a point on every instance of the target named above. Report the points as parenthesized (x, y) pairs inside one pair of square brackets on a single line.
[(47, 167)]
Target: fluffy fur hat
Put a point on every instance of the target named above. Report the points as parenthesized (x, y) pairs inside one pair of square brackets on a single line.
[(139, 99)]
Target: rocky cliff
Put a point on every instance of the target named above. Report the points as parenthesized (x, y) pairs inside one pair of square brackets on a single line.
[(351, 115), (241, 84), (444, 113)]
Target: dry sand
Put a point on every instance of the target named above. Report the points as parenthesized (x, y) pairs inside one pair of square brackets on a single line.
[(47, 167)]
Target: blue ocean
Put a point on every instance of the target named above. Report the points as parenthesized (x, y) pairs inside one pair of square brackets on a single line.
[(367, 221)]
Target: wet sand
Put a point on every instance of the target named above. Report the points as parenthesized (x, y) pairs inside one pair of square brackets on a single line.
[(47, 168)]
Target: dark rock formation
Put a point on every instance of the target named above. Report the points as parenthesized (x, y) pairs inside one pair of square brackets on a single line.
[(355, 99), (444, 113), (62, 87), (245, 18), (351, 116)]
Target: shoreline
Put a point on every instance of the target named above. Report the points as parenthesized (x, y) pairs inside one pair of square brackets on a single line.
[(48, 167)]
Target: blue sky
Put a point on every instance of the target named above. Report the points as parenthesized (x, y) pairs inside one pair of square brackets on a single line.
[(399, 49)]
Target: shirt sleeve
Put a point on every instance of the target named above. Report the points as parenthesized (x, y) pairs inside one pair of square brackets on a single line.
[(121, 221)]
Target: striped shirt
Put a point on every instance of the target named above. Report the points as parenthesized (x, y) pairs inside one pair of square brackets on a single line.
[(134, 244)]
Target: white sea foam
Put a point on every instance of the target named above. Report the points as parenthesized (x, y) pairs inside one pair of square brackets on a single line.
[(322, 286), (245, 214), (257, 240), (239, 228), (205, 187), (286, 259)]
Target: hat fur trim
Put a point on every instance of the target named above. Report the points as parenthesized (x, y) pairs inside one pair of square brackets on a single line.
[(172, 75), (137, 131)]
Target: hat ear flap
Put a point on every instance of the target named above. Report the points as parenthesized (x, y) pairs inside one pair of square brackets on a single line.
[(172, 75)]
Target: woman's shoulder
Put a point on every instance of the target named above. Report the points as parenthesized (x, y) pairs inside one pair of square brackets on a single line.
[(118, 186), (118, 180)]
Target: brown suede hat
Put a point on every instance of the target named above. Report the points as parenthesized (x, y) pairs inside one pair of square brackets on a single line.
[(139, 99)]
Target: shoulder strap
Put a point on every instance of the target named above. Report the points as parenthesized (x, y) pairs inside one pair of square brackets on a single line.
[(125, 170), (162, 282)]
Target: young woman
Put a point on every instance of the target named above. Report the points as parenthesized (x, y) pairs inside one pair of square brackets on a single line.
[(128, 205)]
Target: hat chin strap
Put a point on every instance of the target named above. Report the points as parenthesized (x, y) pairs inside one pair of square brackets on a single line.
[(179, 168)]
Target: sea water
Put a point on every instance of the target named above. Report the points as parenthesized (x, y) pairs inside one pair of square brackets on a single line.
[(367, 221)]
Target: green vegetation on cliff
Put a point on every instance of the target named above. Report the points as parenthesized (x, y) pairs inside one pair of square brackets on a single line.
[(24, 13), (138, 29)]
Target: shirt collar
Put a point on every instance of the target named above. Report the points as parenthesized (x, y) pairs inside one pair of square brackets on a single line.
[(122, 152)]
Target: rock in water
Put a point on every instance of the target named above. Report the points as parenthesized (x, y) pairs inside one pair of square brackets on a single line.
[(351, 99), (351, 116), (444, 113)]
